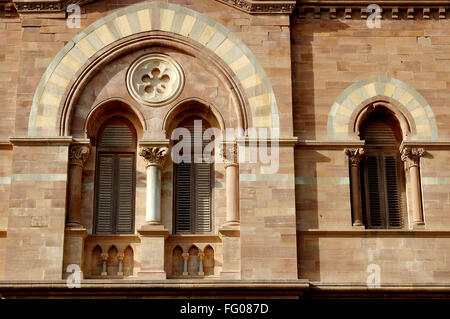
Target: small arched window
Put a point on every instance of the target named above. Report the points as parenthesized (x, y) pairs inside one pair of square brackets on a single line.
[(381, 172), (193, 181), (115, 177)]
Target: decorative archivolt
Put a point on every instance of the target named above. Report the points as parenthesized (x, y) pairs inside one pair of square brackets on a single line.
[(411, 109), (79, 54)]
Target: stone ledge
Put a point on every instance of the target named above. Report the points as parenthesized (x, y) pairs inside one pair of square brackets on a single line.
[(376, 232)]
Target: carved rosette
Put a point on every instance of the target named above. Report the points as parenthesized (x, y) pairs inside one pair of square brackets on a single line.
[(78, 154), (411, 156), (230, 154), (354, 155), (155, 79), (154, 156)]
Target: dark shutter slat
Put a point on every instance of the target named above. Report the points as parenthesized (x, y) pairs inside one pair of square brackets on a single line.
[(104, 222), (393, 201), (116, 134), (373, 190), (125, 194), (183, 197), (203, 196), (378, 133)]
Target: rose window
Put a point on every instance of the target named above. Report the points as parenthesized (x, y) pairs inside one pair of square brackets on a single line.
[(155, 79)]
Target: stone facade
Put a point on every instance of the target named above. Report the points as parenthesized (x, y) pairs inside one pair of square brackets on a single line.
[(309, 72)]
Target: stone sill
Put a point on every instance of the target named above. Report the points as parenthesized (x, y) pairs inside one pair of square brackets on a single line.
[(156, 284), (385, 232)]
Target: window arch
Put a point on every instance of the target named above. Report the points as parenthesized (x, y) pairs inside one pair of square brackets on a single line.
[(115, 177), (382, 176), (193, 183)]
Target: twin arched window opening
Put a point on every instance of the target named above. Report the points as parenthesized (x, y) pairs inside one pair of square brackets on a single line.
[(116, 182)]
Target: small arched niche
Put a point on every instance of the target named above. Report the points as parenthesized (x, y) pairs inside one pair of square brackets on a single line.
[(96, 261), (113, 261), (177, 261), (128, 262), (208, 262), (193, 263)]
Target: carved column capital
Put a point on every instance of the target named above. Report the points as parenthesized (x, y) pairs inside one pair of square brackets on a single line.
[(411, 156), (154, 156), (78, 154), (104, 256), (354, 155), (230, 153), (120, 256)]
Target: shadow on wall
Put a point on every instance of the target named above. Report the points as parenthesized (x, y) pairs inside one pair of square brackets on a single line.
[(305, 114)]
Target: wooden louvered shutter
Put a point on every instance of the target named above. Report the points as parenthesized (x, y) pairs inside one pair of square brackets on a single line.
[(392, 195), (105, 207), (115, 178), (183, 197), (374, 206), (382, 197), (124, 221), (203, 197)]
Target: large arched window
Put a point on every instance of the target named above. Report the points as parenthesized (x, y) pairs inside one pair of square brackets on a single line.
[(193, 180), (381, 171), (115, 177)]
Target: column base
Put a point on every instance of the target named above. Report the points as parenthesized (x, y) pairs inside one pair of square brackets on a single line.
[(231, 249), (153, 238), (73, 248)]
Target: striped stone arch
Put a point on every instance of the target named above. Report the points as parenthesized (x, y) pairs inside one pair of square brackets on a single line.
[(147, 17), (350, 100)]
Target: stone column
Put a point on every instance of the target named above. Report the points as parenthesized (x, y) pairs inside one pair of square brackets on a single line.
[(355, 156), (104, 264), (152, 233), (75, 233), (411, 157), (230, 231), (120, 257), (185, 263), (230, 155), (78, 155), (154, 157)]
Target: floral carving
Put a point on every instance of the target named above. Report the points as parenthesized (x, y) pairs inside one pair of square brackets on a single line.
[(78, 154), (154, 155), (354, 155), (155, 79), (411, 156)]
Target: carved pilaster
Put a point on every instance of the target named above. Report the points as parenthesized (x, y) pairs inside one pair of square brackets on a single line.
[(154, 156), (354, 155), (78, 154), (411, 156)]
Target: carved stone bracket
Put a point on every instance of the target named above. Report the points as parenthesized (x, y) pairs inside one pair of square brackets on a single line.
[(154, 156), (354, 155), (411, 156), (78, 154)]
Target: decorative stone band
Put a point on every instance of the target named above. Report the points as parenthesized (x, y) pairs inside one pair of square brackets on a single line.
[(388, 10), (249, 6), (142, 18), (411, 156), (364, 92), (78, 154), (154, 156), (354, 155)]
